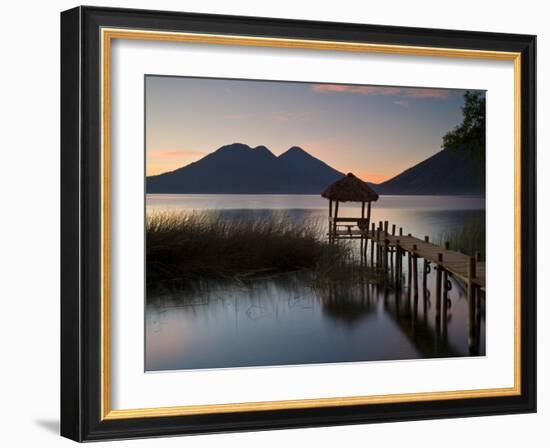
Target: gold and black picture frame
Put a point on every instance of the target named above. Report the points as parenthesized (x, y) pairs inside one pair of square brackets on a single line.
[(146, 94)]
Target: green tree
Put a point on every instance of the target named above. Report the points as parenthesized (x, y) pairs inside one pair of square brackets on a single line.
[(469, 136)]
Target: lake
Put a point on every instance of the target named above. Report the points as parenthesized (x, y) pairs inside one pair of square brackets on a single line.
[(287, 319)]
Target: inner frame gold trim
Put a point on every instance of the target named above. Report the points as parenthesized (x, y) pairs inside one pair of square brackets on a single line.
[(107, 35)]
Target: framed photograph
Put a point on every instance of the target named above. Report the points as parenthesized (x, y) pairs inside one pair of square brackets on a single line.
[(273, 223)]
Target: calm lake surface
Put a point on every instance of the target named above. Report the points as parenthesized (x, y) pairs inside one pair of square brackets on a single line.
[(287, 320)]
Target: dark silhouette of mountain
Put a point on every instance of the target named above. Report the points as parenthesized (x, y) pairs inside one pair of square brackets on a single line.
[(313, 172), (240, 169), (444, 173)]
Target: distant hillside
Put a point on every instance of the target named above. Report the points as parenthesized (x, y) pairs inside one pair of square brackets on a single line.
[(240, 169), (445, 173)]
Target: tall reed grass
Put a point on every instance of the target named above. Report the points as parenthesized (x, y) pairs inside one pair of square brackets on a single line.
[(181, 247), (468, 239)]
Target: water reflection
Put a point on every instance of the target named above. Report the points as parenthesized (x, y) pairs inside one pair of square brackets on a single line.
[(291, 320)]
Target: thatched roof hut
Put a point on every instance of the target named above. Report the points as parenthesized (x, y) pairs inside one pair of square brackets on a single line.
[(350, 189)]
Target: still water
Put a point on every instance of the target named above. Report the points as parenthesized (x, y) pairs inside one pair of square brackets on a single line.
[(289, 320)]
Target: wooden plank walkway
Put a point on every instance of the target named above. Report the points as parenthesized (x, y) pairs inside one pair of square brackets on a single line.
[(454, 262)]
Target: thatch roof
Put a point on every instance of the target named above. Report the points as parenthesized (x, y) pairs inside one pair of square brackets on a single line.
[(350, 189)]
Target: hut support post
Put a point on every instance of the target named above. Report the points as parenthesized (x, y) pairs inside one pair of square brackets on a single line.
[(361, 236), (330, 236), (368, 214), (335, 218), (367, 225)]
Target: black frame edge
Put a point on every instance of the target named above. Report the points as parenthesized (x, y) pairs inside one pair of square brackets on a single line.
[(71, 383), (80, 164), (529, 222)]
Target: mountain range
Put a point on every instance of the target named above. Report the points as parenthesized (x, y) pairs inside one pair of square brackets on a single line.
[(239, 169)]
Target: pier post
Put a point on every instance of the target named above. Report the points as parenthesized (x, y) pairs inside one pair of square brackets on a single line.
[(386, 247), (445, 307), (393, 254), (438, 289), (386, 227), (445, 281), (415, 272), (478, 319), (415, 289), (398, 257), (378, 245), (471, 303), (425, 272), (372, 245), (409, 270)]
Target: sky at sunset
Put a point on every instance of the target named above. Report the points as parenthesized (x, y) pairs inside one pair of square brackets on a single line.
[(374, 131)]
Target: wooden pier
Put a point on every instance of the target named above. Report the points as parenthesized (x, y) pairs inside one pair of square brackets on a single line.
[(456, 263), (389, 248)]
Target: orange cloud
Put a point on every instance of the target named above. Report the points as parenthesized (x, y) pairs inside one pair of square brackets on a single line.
[(407, 92), (162, 160), (369, 176)]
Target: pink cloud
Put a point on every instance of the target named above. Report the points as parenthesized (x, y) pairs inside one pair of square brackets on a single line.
[(383, 91)]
